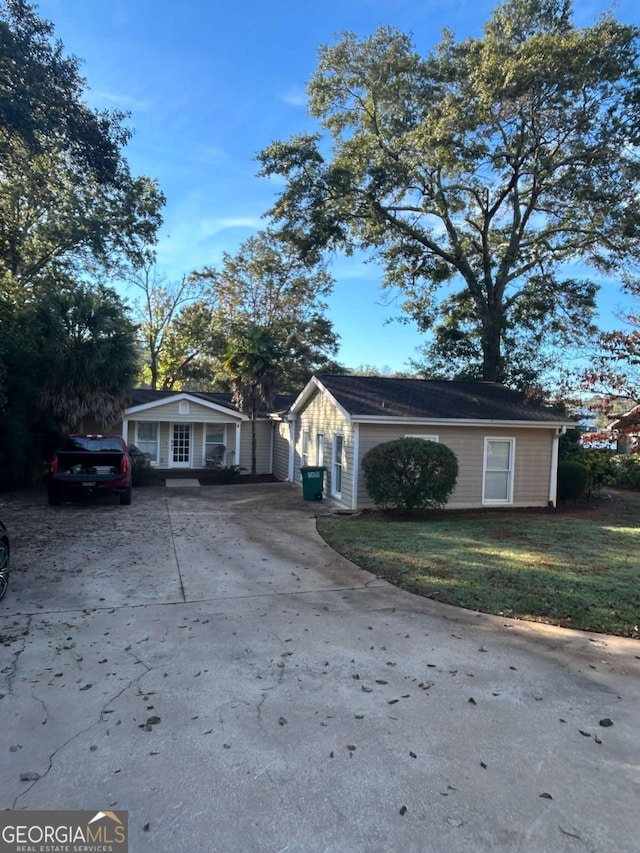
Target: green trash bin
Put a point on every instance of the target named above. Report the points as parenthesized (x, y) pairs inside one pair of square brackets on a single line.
[(312, 482)]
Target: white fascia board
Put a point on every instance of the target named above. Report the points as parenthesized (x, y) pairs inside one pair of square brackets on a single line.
[(314, 385), (182, 395), (397, 421), (308, 390)]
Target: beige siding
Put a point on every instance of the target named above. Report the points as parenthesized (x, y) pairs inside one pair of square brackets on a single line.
[(171, 412), (263, 447), (281, 450), (321, 417), (198, 459), (532, 464)]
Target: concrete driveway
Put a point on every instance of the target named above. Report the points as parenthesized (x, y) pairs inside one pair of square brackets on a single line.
[(203, 660)]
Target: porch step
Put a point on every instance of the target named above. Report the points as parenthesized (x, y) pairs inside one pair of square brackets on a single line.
[(181, 482)]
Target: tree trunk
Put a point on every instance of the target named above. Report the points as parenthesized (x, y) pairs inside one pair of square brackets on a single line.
[(492, 360)]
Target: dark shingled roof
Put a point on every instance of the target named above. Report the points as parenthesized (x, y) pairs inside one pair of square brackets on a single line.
[(142, 396), (378, 396)]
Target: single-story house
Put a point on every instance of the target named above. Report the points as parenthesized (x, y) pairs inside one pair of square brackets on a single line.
[(625, 430), (507, 446), (193, 430)]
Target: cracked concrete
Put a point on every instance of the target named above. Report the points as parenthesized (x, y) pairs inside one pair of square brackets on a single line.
[(203, 660)]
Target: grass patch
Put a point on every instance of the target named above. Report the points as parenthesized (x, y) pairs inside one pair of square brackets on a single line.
[(574, 569)]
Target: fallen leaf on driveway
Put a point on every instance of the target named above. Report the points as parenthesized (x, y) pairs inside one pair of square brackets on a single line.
[(30, 776), (546, 796), (606, 722), (566, 832)]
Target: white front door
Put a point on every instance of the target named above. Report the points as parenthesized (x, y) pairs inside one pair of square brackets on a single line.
[(180, 454)]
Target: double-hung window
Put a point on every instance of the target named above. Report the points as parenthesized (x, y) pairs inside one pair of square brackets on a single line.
[(498, 470), (147, 439), (304, 454), (336, 465), (214, 438)]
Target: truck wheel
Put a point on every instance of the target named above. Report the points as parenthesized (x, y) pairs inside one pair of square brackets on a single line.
[(125, 497), (54, 495)]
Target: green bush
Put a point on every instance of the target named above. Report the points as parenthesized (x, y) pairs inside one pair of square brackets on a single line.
[(227, 474), (573, 479), (143, 475), (628, 471), (602, 467), (410, 473)]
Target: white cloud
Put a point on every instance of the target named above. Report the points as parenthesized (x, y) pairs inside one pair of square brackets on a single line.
[(125, 102), (295, 96)]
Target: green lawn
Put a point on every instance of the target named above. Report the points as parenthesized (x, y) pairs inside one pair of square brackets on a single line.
[(579, 571)]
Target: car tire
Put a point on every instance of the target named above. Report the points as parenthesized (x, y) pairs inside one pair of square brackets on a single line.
[(4, 567), (125, 497)]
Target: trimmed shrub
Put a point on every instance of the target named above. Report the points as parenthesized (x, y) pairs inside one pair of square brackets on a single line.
[(573, 479), (410, 473)]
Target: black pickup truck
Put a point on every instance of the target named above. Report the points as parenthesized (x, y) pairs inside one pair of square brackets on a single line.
[(90, 464)]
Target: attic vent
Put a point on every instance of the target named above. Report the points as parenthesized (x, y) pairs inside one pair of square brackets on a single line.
[(183, 407)]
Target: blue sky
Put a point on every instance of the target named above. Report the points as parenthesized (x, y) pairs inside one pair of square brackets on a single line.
[(210, 83)]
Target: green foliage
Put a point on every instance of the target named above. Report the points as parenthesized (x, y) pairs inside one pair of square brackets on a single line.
[(70, 211), (601, 464), (573, 479), (267, 284), (475, 174), (144, 475), (628, 471), (410, 473), (227, 474), (251, 362), (570, 445), (89, 349)]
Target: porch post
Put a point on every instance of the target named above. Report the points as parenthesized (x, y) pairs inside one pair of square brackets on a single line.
[(292, 448), (125, 431), (237, 456)]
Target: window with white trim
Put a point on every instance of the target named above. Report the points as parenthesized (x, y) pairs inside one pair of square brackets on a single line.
[(304, 453), (497, 477), (435, 438), (336, 465), (214, 438), (147, 439)]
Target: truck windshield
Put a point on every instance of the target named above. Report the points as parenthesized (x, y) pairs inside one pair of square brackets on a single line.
[(94, 444)]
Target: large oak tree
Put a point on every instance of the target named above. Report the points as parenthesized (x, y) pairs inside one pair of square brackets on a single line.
[(476, 174)]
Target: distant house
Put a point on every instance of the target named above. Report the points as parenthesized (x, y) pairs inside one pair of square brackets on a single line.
[(194, 430), (626, 431), (507, 448)]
